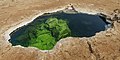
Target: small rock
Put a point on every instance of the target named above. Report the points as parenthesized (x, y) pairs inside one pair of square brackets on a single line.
[(108, 34)]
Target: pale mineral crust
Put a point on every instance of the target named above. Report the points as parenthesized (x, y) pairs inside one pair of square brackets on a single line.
[(104, 45)]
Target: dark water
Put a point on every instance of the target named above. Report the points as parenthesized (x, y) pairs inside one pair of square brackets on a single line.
[(80, 24)]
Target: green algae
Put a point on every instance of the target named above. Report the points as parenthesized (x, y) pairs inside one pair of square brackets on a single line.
[(46, 30), (44, 34)]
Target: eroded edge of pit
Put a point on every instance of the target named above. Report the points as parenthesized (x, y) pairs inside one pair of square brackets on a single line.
[(7, 37)]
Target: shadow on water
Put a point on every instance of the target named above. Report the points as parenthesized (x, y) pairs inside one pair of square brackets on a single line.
[(80, 24)]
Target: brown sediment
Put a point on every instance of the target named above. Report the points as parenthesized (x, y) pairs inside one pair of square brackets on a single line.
[(103, 46)]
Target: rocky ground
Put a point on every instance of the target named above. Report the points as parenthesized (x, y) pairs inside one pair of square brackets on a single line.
[(103, 46)]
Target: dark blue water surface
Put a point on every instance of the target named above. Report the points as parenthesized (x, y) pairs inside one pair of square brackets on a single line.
[(80, 24)]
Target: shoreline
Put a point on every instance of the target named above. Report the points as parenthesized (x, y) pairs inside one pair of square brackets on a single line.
[(34, 16), (31, 18), (25, 22)]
